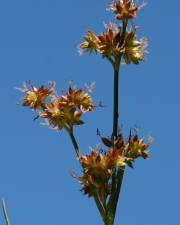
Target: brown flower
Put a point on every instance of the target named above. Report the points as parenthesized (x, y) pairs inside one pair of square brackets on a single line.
[(60, 116), (113, 44), (98, 169), (133, 50), (78, 99), (90, 43), (124, 9), (106, 44), (65, 111), (35, 97), (136, 148), (110, 41)]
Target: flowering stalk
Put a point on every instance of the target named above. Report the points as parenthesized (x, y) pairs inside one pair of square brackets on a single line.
[(115, 44), (102, 169), (116, 179)]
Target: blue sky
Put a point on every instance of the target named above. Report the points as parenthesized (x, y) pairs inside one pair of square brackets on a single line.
[(38, 41)]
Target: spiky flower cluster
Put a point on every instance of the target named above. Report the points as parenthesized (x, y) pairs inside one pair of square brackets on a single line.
[(98, 167), (59, 112), (110, 44), (35, 97), (117, 41), (124, 9)]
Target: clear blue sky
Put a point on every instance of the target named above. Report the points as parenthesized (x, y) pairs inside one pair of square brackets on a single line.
[(38, 41)]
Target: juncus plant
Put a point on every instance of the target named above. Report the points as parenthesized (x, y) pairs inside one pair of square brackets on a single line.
[(103, 168)]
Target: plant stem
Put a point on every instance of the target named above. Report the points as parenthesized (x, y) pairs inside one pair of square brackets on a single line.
[(120, 175), (100, 208), (116, 68), (74, 142), (116, 100), (5, 212), (111, 202), (117, 175)]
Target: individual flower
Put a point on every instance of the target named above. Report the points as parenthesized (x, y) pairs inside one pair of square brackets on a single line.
[(77, 98), (133, 50), (124, 9), (136, 147), (90, 43), (60, 116), (35, 97), (106, 44), (98, 169), (65, 111), (110, 41)]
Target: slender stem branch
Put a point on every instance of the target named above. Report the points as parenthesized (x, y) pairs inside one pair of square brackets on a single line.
[(5, 212), (118, 174), (100, 208), (73, 140), (116, 101), (116, 68)]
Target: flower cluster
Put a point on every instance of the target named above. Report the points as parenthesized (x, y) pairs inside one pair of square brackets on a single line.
[(97, 171), (117, 41), (99, 167), (136, 148), (133, 50), (124, 9), (58, 111), (113, 43), (35, 97)]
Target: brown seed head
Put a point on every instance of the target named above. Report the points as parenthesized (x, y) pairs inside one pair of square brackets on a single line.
[(35, 97), (136, 148), (78, 99), (60, 115), (90, 43), (133, 50), (124, 9), (98, 169)]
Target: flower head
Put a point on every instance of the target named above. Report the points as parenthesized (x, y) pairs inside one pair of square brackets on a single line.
[(60, 116), (98, 169), (90, 43), (77, 99), (99, 166), (35, 97), (136, 147), (124, 9), (58, 112), (133, 50), (106, 44), (113, 44), (110, 41), (65, 111)]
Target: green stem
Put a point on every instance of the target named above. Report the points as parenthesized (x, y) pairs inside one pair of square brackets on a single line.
[(116, 68), (117, 176), (116, 101), (73, 140), (100, 208), (120, 175)]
